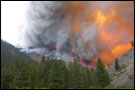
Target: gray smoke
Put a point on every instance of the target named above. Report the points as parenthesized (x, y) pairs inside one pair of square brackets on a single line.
[(67, 25)]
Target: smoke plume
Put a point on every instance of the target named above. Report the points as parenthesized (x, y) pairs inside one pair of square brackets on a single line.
[(79, 30)]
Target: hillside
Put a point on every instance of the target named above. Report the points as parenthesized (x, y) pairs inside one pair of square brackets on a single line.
[(58, 74), (124, 77), (10, 53)]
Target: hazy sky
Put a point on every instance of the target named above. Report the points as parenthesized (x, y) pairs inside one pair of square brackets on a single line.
[(12, 18)]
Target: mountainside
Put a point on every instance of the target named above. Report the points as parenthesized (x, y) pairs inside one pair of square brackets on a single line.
[(10, 53), (125, 76)]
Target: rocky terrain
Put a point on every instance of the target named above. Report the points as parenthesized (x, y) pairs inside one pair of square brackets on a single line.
[(125, 76)]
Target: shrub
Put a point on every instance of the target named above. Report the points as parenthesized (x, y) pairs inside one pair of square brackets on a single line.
[(131, 76)]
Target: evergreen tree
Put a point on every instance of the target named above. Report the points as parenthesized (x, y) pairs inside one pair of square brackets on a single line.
[(42, 58), (132, 43), (108, 66), (33, 77), (117, 67), (21, 79), (63, 75), (85, 79), (75, 76), (7, 76), (92, 79), (57, 75), (43, 71), (103, 78)]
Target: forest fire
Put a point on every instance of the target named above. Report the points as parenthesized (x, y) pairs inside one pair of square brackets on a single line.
[(110, 39), (80, 30), (67, 45)]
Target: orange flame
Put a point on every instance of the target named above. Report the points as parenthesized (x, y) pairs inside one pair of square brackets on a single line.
[(113, 40), (109, 55)]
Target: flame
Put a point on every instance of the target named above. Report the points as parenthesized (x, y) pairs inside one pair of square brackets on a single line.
[(100, 18), (112, 40), (53, 45), (114, 29), (81, 61), (108, 56), (106, 67)]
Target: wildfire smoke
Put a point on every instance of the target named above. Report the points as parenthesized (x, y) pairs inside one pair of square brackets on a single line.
[(80, 30)]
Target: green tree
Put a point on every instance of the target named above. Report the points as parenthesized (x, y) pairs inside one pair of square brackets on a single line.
[(21, 79), (57, 75), (7, 76), (33, 77), (92, 79), (85, 78), (108, 66), (117, 67), (103, 78), (75, 76), (43, 71), (42, 58)]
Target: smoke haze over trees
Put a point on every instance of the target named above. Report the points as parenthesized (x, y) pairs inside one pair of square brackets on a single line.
[(71, 45)]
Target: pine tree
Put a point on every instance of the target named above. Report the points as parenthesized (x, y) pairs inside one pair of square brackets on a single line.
[(103, 78), (63, 75), (33, 77), (92, 79), (7, 76), (57, 75), (85, 79), (21, 79), (108, 66), (75, 76), (132, 43), (117, 67), (43, 71), (42, 58)]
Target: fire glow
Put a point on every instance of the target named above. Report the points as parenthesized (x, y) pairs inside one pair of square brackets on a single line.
[(108, 56), (80, 30)]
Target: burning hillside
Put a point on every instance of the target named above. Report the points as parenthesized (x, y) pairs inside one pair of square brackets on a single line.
[(79, 30)]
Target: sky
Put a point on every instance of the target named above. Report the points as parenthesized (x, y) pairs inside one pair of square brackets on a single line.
[(12, 18)]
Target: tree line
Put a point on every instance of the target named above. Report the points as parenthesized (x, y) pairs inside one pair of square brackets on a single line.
[(53, 74)]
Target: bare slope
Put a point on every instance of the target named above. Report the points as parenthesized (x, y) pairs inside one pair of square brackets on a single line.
[(126, 75)]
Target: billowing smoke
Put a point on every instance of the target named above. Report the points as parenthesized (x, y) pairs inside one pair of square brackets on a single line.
[(79, 30)]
